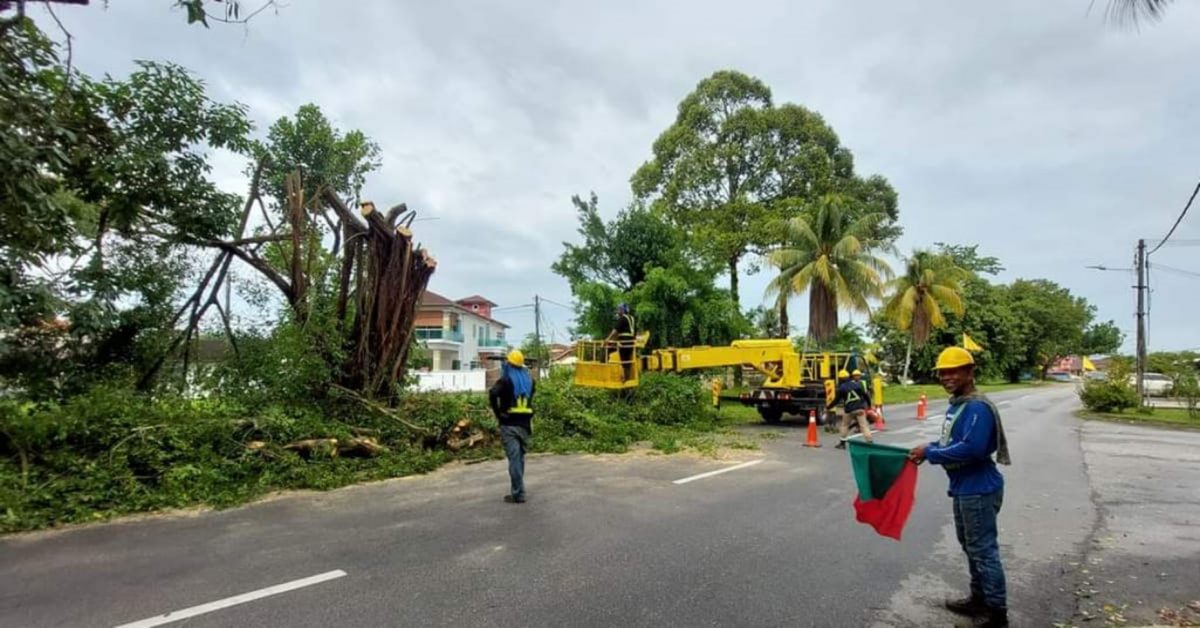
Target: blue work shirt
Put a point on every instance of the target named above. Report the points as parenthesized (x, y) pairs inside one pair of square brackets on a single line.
[(968, 454)]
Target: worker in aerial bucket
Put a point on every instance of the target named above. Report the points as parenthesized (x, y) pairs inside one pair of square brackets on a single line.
[(623, 334)]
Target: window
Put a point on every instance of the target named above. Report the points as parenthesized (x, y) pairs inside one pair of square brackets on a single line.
[(456, 365)]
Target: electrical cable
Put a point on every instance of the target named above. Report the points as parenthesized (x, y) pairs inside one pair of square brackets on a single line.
[(1178, 220), (1178, 271)]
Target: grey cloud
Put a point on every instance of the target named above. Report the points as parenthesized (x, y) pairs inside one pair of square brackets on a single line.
[(1033, 128)]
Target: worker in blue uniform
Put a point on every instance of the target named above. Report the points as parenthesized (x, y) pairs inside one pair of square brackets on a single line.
[(971, 433)]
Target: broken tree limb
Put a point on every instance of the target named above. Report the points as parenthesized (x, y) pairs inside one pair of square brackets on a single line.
[(381, 409)]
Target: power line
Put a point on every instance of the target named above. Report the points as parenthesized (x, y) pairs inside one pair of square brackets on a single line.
[(545, 300), (1178, 220), (1178, 271)]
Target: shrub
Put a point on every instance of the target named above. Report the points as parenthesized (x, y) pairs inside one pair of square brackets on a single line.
[(111, 450), (1112, 394)]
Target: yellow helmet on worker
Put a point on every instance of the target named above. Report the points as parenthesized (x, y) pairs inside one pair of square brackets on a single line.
[(856, 373), (843, 374), (954, 357), (516, 358)]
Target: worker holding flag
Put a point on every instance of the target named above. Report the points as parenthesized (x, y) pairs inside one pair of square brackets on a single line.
[(971, 432)]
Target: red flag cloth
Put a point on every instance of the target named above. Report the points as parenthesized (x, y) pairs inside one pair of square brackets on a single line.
[(889, 513)]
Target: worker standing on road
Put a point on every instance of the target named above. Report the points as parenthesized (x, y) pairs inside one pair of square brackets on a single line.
[(970, 433), (855, 400), (511, 398), (623, 333), (833, 421)]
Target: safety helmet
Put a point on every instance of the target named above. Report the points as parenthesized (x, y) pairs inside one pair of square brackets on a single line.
[(954, 357), (516, 358), (623, 308), (842, 374), (856, 373)]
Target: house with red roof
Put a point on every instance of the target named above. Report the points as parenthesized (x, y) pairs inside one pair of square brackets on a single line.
[(459, 335)]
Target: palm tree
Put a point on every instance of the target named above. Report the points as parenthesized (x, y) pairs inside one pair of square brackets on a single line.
[(1132, 11), (832, 256), (931, 284)]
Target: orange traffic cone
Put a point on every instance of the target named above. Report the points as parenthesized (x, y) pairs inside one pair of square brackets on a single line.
[(812, 440), (922, 406), (880, 424)]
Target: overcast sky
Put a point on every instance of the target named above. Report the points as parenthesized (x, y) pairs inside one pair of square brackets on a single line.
[(1037, 130)]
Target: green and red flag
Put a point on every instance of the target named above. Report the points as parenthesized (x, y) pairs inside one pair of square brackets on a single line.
[(887, 486)]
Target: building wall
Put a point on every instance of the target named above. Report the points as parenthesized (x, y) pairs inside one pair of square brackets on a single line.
[(452, 381), (476, 333), (429, 318)]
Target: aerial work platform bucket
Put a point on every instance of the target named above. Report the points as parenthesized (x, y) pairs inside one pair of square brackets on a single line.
[(599, 364)]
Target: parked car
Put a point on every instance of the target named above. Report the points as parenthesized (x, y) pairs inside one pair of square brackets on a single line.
[(1154, 384), (1059, 376), (1095, 376)]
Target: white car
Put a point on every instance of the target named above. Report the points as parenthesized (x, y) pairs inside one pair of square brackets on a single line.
[(1154, 384)]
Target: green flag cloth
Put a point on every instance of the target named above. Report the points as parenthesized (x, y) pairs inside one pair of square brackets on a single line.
[(887, 486)]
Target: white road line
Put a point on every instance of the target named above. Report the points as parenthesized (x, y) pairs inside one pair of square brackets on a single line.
[(717, 472), (193, 611)]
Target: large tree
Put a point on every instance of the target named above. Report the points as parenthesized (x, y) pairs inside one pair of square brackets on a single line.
[(833, 257), (733, 165), (104, 183), (710, 168)]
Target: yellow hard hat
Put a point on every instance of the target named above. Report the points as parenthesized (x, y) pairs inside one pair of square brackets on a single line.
[(954, 357), (516, 358), (842, 374), (856, 372)]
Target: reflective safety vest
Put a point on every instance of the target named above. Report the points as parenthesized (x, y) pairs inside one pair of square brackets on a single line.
[(521, 406), (632, 332)]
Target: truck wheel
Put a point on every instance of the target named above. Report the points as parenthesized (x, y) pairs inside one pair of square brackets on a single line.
[(770, 415)]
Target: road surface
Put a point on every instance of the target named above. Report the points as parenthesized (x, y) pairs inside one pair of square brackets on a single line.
[(635, 540)]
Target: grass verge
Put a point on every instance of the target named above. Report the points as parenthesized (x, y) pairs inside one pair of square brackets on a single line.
[(1163, 417)]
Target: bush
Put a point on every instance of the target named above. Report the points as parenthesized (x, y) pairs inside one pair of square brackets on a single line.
[(111, 451), (1112, 394)]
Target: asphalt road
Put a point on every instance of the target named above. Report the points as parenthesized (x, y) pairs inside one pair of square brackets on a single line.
[(604, 540)]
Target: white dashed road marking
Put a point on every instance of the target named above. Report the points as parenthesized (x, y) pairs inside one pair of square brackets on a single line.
[(193, 611)]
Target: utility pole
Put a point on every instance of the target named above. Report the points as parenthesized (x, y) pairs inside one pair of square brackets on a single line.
[(537, 331), (1141, 319)]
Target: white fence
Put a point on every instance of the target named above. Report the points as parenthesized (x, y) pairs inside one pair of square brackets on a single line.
[(452, 380)]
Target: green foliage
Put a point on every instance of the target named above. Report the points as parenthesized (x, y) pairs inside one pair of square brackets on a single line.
[(832, 255), (104, 185), (1102, 338), (969, 259), (1054, 320), (931, 285), (323, 154), (533, 349), (1112, 394), (231, 11), (638, 259), (709, 171), (620, 252), (110, 451), (733, 164), (571, 418), (1023, 327)]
